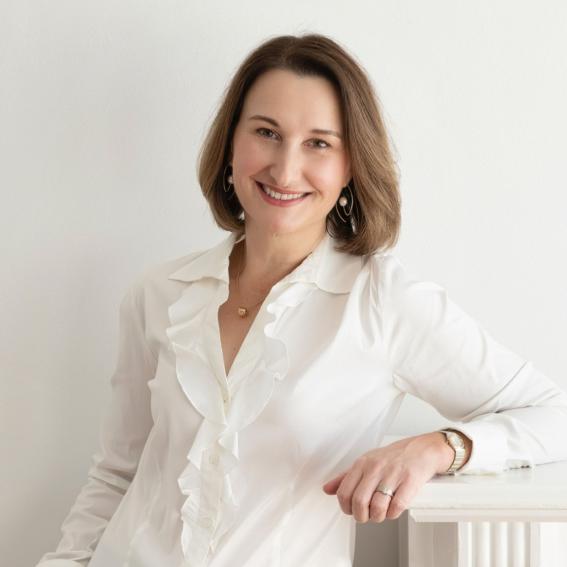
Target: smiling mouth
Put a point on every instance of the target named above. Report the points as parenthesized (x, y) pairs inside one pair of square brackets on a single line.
[(281, 196)]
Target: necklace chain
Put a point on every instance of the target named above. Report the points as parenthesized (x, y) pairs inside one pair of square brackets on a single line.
[(241, 310)]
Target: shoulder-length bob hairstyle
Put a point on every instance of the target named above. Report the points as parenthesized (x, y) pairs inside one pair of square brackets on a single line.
[(375, 177)]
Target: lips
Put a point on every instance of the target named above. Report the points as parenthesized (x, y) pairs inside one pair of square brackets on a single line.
[(281, 191), (281, 202)]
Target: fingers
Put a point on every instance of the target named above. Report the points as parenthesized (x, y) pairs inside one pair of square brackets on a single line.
[(404, 495), (357, 495), (363, 495), (332, 485), (367, 504), (383, 506), (347, 488), (378, 508)]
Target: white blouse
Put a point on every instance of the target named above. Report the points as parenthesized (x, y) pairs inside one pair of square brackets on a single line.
[(196, 468)]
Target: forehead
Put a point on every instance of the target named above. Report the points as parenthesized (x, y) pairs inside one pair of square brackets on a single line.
[(286, 96)]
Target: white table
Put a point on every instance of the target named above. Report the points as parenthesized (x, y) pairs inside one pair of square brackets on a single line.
[(506, 520)]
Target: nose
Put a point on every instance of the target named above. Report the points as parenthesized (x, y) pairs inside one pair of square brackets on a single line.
[(285, 166)]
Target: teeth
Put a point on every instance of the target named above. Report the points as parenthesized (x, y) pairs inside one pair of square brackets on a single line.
[(280, 196)]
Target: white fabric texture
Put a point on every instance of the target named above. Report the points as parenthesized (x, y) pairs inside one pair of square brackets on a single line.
[(197, 469)]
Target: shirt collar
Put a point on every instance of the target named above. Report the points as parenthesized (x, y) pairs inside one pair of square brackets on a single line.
[(331, 270)]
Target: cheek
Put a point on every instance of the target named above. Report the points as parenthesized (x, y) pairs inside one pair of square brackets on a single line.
[(249, 156), (328, 178)]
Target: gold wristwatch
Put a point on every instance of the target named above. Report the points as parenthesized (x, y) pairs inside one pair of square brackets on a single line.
[(455, 441)]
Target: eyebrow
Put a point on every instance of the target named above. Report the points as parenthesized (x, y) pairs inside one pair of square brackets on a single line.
[(313, 130)]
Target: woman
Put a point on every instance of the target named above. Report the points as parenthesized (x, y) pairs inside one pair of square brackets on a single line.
[(256, 379)]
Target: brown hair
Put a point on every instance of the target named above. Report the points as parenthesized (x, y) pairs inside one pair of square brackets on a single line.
[(375, 185)]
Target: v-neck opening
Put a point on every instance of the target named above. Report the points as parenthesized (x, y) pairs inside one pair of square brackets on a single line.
[(244, 349), (228, 377), (231, 378)]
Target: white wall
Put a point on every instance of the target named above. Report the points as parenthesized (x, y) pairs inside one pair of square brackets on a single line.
[(103, 106)]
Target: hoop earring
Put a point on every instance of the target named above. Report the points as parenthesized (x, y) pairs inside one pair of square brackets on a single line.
[(229, 179), (347, 210)]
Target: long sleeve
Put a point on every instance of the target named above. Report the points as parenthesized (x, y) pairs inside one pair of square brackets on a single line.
[(515, 415), (124, 429)]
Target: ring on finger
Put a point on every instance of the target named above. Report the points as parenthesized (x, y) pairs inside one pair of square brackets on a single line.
[(384, 490)]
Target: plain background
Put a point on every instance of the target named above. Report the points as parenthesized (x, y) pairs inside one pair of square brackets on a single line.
[(103, 107)]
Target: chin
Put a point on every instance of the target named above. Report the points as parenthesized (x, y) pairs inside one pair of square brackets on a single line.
[(280, 229), (276, 226)]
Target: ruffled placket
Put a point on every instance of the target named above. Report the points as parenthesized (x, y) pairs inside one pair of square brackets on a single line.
[(208, 482)]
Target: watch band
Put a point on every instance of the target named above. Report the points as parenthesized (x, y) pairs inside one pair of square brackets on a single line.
[(455, 441)]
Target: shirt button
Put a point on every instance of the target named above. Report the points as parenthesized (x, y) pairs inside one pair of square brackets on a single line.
[(214, 459), (206, 522)]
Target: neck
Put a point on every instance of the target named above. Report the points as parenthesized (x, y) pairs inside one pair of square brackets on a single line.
[(265, 259)]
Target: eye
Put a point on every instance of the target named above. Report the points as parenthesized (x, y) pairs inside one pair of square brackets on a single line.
[(322, 147), (264, 131), (260, 130)]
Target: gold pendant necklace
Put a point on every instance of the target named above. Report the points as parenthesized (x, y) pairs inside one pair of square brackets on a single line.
[(241, 310)]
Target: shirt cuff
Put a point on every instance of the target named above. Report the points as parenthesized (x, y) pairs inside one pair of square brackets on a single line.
[(489, 449)]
